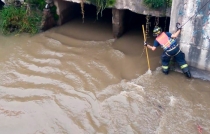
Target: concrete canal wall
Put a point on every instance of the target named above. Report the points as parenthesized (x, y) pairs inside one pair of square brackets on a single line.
[(195, 35)]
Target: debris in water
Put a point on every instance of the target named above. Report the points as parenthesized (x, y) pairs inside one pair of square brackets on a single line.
[(200, 130), (159, 106)]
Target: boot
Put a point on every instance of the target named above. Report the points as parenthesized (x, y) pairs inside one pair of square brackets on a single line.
[(188, 74), (165, 71)]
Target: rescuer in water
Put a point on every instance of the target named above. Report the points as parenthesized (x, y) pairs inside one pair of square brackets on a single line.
[(171, 49)]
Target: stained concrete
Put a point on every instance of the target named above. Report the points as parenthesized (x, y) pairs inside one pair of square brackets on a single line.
[(136, 6), (67, 8), (195, 36)]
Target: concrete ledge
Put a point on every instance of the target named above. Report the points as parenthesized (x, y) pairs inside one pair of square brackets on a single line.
[(136, 6), (196, 73)]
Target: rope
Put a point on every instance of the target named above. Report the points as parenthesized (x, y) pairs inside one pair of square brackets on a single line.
[(196, 13), (142, 52), (147, 26)]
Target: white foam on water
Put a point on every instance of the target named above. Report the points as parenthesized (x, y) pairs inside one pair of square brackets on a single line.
[(172, 101), (134, 86), (96, 43), (149, 108), (101, 67), (116, 54), (149, 72), (54, 42)]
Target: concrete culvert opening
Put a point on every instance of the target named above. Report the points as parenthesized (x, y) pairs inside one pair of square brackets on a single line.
[(115, 23), (134, 22), (91, 13), (89, 28)]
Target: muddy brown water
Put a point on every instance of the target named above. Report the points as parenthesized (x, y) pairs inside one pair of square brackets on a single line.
[(77, 79)]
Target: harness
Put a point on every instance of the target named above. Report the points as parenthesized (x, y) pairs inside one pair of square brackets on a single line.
[(167, 43), (172, 55)]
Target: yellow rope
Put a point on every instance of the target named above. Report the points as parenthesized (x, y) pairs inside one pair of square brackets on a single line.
[(146, 47)]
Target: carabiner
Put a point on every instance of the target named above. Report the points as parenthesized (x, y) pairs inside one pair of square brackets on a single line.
[(178, 25)]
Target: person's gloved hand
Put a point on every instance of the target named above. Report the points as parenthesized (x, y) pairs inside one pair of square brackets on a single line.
[(178, 26), (145, 43)]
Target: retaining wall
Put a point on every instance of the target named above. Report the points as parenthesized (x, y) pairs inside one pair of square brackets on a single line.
[(195, 35)]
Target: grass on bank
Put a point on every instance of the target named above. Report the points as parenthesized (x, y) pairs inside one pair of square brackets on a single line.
[(26, 18), (19, 20)]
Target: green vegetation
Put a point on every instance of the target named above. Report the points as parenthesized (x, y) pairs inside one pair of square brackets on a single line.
[(157, 4), (19, 19), (25, 18), (54, 13), (40, 4), (100, 5)]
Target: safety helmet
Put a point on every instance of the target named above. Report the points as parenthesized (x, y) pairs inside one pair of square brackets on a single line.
[(157, 30)]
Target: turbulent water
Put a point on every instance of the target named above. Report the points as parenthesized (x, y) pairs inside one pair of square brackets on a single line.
[(77, 79)]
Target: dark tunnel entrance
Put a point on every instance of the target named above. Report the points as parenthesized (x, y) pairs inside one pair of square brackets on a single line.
[(130, 20), (1, 4), (134, 21)]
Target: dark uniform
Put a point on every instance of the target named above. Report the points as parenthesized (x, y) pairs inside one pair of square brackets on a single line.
[(171, 48)]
